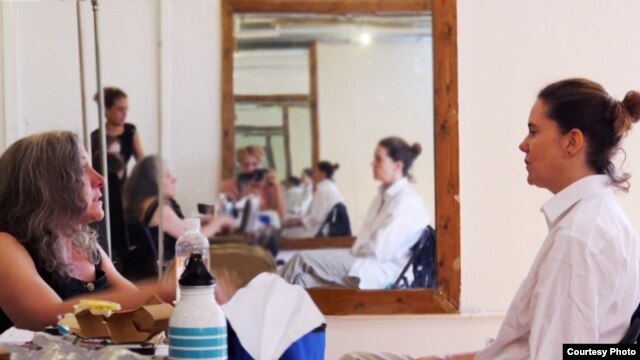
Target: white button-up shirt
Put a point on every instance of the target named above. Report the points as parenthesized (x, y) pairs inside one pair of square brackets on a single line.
[(394, 222), (324, 199), (584, 284)]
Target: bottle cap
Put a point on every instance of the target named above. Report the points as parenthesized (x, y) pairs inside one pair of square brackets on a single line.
[(191, 224), (196, 272)]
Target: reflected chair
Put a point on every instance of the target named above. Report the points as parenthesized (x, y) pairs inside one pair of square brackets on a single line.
[(422, 261), (141, 260), (246, 260), (337, 222)]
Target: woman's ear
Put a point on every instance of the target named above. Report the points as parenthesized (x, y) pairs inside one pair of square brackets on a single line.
[(399, 166), (574, 141)]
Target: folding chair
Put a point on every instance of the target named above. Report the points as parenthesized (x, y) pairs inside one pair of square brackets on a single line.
[(337, 222), (422, 261), (633, 333), (141, 260)]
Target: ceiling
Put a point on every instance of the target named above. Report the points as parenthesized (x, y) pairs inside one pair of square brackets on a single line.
[(271, 31)]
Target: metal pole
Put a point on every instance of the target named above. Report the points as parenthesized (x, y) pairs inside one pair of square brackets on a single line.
[(83, 92), (159, 94), (101, 126)]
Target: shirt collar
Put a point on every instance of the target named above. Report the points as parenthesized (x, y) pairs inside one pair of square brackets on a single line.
[(569, 196), (395, 188)]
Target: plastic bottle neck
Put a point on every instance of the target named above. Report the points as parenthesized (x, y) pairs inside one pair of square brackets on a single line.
[(193, 292)]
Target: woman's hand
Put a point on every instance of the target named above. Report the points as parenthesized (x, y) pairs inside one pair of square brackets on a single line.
[(291, 222), (220, 223), (272, 178)]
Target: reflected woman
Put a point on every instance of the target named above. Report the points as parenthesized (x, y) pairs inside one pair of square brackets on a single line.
[(396, 218), (254, 179), (49, 257), (116, 107), (141, 204), (325, 198)]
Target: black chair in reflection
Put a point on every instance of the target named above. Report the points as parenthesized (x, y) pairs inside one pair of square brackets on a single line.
[(140, 261), (422, 262), (337, 222)]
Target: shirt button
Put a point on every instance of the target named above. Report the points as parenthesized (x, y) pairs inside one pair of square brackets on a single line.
[(90, 286)]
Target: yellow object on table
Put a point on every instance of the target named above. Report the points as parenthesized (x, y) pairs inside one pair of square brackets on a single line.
[(97, 307)]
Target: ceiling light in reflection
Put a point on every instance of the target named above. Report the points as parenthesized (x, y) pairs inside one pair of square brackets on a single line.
[(365, 38)]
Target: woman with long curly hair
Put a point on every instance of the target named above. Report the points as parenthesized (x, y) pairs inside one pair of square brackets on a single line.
[(49, 258)]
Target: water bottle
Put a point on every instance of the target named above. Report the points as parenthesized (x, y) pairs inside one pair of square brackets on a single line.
[(224, 206), (197, 327), (192, 241)]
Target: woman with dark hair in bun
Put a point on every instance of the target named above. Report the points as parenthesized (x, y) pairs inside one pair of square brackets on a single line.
[(584, 284), (324, 199), (396, 218)]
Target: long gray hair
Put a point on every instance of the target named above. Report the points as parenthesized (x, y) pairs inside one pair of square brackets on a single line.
[(42, 197), (141, 185)]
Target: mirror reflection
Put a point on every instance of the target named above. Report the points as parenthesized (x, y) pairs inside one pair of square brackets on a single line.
[(364, 78)]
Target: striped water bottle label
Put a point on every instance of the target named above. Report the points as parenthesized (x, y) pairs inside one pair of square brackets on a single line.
[(198, 343)]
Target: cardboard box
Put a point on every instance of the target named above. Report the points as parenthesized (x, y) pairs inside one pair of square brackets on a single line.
[(4, 354), (129, 326)]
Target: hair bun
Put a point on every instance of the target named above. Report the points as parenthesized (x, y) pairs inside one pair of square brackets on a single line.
[(336, 166), (631, 103), (416, 149)]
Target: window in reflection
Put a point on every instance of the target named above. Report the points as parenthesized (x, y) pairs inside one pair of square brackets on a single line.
[(282, 129)]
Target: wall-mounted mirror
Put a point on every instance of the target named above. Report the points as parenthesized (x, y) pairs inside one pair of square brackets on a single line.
[(441, 90)]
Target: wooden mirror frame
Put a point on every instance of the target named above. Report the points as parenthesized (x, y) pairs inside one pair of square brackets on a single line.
[(445, 298)]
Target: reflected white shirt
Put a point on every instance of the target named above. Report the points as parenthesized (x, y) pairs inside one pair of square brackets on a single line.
[(298, 199), (393, 223), (584, 283), (324, 199)]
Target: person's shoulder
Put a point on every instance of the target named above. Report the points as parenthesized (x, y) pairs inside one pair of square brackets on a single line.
[(6, 238), (129, 126), (10, 247)]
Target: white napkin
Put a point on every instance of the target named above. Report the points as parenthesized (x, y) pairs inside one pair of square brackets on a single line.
[(269, 315)]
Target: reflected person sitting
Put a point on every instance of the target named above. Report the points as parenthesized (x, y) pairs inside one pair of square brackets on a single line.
[(141, 204), (325, 198), (303, 201), (291, 193), (255, 180), (396, 218), (49, 258)]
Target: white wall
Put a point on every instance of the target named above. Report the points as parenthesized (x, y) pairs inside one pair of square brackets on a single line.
[(361, 100), (507, 51)]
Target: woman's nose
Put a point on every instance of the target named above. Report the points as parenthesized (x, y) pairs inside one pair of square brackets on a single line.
[(523, 146), (97, 180)]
